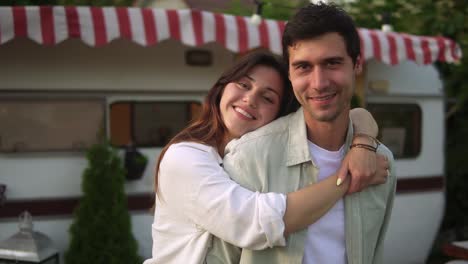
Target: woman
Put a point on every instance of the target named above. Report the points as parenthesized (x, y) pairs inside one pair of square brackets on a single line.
[(195, 197)]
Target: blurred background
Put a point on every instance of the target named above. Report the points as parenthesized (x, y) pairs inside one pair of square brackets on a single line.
[(93, 80)]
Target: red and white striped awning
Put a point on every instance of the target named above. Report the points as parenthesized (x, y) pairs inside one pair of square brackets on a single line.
[(95, 26)]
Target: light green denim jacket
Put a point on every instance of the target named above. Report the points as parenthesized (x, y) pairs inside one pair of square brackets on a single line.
[(276, 158)]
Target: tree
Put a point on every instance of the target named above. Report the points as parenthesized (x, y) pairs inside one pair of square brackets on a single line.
[(101, 230)]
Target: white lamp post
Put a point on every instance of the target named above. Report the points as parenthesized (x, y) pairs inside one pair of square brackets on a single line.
[(28, 246)]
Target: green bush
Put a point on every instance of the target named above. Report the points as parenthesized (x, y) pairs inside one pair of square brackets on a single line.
[(101, 230)]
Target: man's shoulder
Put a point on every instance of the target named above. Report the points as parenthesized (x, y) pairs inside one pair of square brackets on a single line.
[(273, 131)]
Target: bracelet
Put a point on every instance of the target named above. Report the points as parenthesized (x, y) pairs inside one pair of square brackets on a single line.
[(376, 141), (364, 146)]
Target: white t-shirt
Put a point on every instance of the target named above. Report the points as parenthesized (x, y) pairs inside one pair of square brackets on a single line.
[(198, 199), (325, 242)]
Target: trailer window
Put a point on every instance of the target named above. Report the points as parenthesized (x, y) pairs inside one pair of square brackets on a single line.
[(30, 125), (149, 124), (399, 127)]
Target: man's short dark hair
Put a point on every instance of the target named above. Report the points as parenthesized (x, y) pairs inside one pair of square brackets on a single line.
[(315, 20)]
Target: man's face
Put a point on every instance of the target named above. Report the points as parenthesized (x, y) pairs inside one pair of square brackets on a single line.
[(322, 75)]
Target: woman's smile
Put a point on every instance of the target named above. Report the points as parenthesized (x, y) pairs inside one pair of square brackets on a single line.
[(243, 113)]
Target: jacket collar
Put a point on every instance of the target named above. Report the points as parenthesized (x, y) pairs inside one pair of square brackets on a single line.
[(298, 147)]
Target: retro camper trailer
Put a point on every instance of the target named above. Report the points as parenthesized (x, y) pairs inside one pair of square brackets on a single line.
[(66, 72)]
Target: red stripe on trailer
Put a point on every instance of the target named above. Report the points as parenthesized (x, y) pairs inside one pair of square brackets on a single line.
[(20, 21), (264, 36), (281, 26), (410, 54), (124, 22), (376, 45), (100, 31), (47, 25), (427, 57), (441, 45), (174, 24), (393, 49), (149, 23), (243, 36), (363, 45), (197, 27), (220, 29), (453, 50), (73, 22)]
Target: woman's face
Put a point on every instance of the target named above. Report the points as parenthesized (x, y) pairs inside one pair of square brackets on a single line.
[(252, 101)]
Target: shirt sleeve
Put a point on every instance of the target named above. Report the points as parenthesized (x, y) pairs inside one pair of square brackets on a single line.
[(193, 183)]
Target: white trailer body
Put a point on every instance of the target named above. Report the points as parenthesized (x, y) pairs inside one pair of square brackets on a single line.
[(418, 209)]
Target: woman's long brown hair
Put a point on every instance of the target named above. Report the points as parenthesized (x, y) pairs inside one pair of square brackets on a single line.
[(209, 128)]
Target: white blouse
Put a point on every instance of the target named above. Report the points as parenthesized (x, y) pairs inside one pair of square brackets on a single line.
[(197, 199)]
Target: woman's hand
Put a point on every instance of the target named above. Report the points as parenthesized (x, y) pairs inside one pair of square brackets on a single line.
[(366, 168)]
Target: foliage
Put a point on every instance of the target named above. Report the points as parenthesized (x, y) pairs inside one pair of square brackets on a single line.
[(135, 163), (101, 230), (457, 184), (238, 9), (96, 2), (67, 2), (141, 160), (273, 9)]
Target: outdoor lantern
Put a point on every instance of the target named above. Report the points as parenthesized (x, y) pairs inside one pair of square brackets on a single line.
[(28, 246)]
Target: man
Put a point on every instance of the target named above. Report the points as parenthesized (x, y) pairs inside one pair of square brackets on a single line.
[(321, 46)]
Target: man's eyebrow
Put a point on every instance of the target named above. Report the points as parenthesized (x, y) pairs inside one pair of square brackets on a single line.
[(334, 58), (300, 62)]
